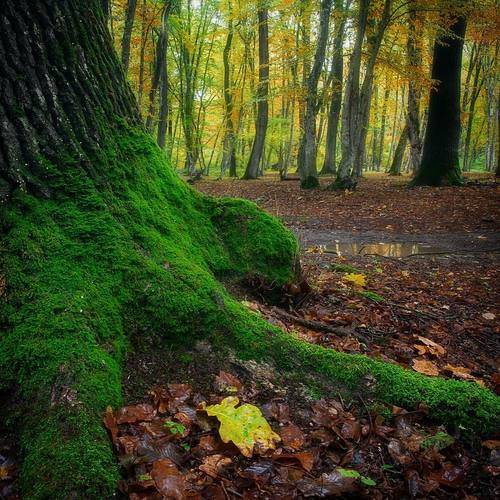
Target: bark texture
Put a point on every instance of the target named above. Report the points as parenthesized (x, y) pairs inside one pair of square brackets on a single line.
[(254, 162), (58, 88), (308, 148)]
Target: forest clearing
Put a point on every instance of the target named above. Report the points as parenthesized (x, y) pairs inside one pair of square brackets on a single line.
[(249, 249)]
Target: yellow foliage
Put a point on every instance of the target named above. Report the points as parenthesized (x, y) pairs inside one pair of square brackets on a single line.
[(357, 279), (244, 426)]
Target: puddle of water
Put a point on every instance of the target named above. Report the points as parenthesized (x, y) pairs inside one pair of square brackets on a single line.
[(382, 249)]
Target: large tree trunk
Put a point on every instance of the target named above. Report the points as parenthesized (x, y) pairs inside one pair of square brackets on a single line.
[(440, 163), (307, 149), (252, 170)]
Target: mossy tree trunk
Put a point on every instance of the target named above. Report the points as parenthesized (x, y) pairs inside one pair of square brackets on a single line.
[(440, 163), (102, 243)]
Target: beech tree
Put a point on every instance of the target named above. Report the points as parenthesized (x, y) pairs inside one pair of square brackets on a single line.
[(440, 156), (308, 149), (255, 159)]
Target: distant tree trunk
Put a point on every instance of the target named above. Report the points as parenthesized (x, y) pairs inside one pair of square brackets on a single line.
[(229, 142), (414, 57), (365, 96), (159, 66), (475, 91), (163, 115), (375, 129), (357, 100), (350, 110), (440, 163), (307, 156), (127, 33), (329, 165), (493, 115), (144, 38), (399, 152), (252, 169), (380, 149)]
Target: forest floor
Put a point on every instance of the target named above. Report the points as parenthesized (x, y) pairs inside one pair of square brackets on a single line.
[(407, 276)]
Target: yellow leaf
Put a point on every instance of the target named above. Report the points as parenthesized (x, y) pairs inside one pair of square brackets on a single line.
[(244, 426), (357, 279), (425, 367)]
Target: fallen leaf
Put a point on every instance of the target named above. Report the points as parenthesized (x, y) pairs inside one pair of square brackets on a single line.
[(328, 484), (244, 426), (110, 423), (356, 279), (492, 444), (226, 382), (213, 464), (169, 482), (425, 367), (137, 413), (434, 347), (292, 437), (489, 316), (305, 458)]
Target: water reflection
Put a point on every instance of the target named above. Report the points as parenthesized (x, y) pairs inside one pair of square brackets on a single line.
[(382, 249)]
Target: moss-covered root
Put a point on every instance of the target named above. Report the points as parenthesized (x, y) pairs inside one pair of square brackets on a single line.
[(456, 404)]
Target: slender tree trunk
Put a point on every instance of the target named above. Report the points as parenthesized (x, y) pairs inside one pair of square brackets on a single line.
[(144, 39), (159, 67), (399, 152), (380, 148), (229, 143), (252, 169), (440, 163), (414, 57), (350, 110), (307, 156), (127, 33), (329, 165)]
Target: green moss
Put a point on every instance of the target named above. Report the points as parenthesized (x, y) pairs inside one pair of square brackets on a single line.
[(132, 252), (373, 296)]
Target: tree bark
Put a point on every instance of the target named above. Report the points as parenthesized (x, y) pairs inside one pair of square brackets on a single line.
[(307, 156), (127, 33), (414, 57), (254, 162), (329, 165), (229, 142), (399, 152), (53, 107), (440, 161)]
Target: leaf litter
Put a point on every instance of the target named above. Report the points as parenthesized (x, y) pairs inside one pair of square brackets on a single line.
[(269, 449)]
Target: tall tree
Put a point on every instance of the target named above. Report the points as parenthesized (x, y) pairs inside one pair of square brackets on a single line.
[(414, 59), (440, 156), (307, 156), (229, 142), (127, 33), (254, 162), (341, 8)]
